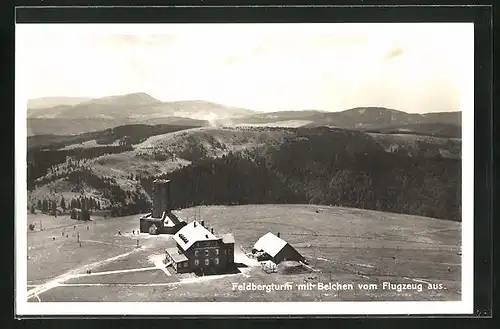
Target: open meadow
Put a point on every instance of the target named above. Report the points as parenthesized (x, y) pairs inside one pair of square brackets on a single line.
[(342, 245)]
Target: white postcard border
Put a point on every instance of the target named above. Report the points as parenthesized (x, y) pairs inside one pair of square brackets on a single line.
[(24, 308)]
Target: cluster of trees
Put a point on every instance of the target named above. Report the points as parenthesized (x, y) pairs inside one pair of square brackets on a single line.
[(135, 202), (47, 206), (84, 202), (133, 177), (81, 214)]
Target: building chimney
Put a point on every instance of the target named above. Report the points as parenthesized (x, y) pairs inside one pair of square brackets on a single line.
[(278, 234), (203, 223), (212, 230), (194, 223)]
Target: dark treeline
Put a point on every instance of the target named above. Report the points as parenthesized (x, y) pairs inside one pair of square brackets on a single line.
[(52, 207), (227, 180), (343, 168), (347, 169), (436, 130), (39, 161), (136, 133), (44, 150)]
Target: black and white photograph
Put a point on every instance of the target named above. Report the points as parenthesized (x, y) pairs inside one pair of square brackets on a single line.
[(244, 168)]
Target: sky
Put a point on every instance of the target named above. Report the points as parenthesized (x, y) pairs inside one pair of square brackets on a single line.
[(415, 68)]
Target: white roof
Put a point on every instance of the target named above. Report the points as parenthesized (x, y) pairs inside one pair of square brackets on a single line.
[(193, 232), (270, 244), (170, 219), (228, 238)]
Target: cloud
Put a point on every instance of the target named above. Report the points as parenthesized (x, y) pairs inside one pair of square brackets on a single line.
[(393, 52), (254, 68)]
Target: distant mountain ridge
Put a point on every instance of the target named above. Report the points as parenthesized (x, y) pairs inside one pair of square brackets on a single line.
[(137, 105), (361, 117), (86, 115)]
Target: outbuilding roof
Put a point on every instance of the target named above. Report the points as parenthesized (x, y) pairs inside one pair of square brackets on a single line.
[(270, 244), (191, 233), (228, 238)]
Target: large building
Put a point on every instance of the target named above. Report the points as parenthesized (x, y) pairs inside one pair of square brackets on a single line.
[(276, 249), (161, 220), (199, 250)]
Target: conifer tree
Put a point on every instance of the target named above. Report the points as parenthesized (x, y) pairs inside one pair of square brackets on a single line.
[(63, 204), (45, 206)]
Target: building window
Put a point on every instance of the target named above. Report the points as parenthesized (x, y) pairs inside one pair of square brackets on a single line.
[(196, 262), (207, 261), (217, 261), (196, 253), (217, 252), (206, 252), (229, 252)]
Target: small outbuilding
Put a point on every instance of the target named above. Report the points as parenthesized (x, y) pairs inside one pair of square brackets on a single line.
[(276, 249)]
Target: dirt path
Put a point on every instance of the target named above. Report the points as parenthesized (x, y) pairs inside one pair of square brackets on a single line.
[(71, 274)]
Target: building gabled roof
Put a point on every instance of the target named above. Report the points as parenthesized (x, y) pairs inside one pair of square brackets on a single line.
[(228, 238), (191, 233), (170, 219), (270, 244)]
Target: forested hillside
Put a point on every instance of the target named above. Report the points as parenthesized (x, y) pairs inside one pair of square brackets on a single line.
[(409, 174), (325, 167)]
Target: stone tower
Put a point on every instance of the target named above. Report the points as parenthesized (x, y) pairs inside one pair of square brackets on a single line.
[(161, 197)]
